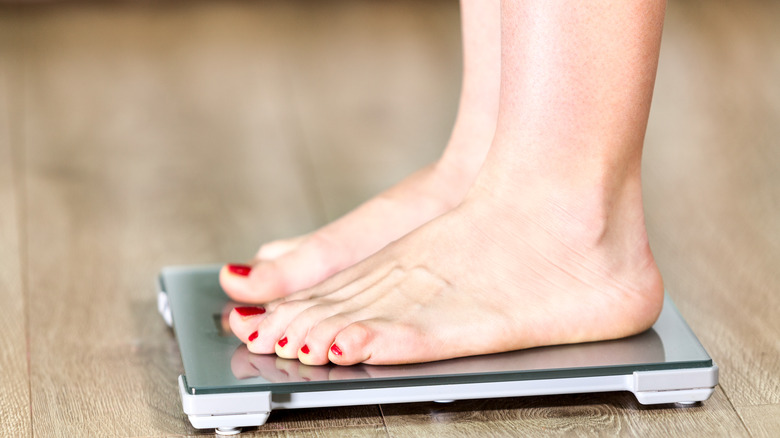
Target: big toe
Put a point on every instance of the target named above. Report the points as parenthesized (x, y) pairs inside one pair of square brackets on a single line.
[(253, 284), (277, 248), (304, 266)]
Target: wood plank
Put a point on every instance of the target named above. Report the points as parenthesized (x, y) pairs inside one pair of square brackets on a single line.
[(326, 421), (761, 421), (157, 134), (712, 186), (15, 383), (349, 431), (190, 133), (376, 86), (569, 415)]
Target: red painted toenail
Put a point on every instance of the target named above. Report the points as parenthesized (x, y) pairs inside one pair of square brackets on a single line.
[(283, 341), (335, 350), (305, 349), (241, 270), (250, 311), (253, 336)]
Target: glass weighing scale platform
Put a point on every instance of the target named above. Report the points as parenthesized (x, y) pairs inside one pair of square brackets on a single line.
[(226, 387)]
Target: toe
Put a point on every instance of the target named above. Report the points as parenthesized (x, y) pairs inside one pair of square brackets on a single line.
[(298, 334), (311, 355), (258, 283), (277, 248), (380, 342), (244, 321), (314, 260), (320, 338), (274, 328), (352, 345), (285, 350), (290, 270)]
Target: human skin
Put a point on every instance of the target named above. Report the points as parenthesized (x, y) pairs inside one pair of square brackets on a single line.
[(549, 245), (285, 266)]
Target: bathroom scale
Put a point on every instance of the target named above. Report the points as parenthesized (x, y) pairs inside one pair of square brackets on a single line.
[(226, 387)]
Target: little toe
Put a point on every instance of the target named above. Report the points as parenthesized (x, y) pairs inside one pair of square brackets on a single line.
[(378, 342), (352, 344), (298, 330), (320, 338)]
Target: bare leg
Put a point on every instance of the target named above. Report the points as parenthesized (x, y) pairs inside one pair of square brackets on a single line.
[(285, 266), (548, 247)]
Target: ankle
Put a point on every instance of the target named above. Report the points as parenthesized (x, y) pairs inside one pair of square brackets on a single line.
[(587, 211)]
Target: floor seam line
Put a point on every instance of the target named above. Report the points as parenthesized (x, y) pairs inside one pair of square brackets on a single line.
[(736, 411), (384, 422)]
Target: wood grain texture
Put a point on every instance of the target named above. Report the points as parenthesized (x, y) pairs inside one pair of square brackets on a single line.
[(15, 381), (329, 432), (155, 136), (614, 414), (712, 185), (353, 420), (141, 135), (761, 421), (376, 89)]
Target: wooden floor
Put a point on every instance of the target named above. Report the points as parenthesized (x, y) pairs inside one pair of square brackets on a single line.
[(138, 135)]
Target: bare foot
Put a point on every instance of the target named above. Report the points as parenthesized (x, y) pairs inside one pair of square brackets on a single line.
[(286, 266), (549, 247), (480, 279)]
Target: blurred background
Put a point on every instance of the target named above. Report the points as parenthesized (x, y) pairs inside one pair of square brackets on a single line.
[(135, 135)]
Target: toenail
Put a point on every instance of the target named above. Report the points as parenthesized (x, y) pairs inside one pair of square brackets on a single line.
[(282, 342), (305, 349), (250, 311), (335, 350), (240, 270), (253, 336)]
